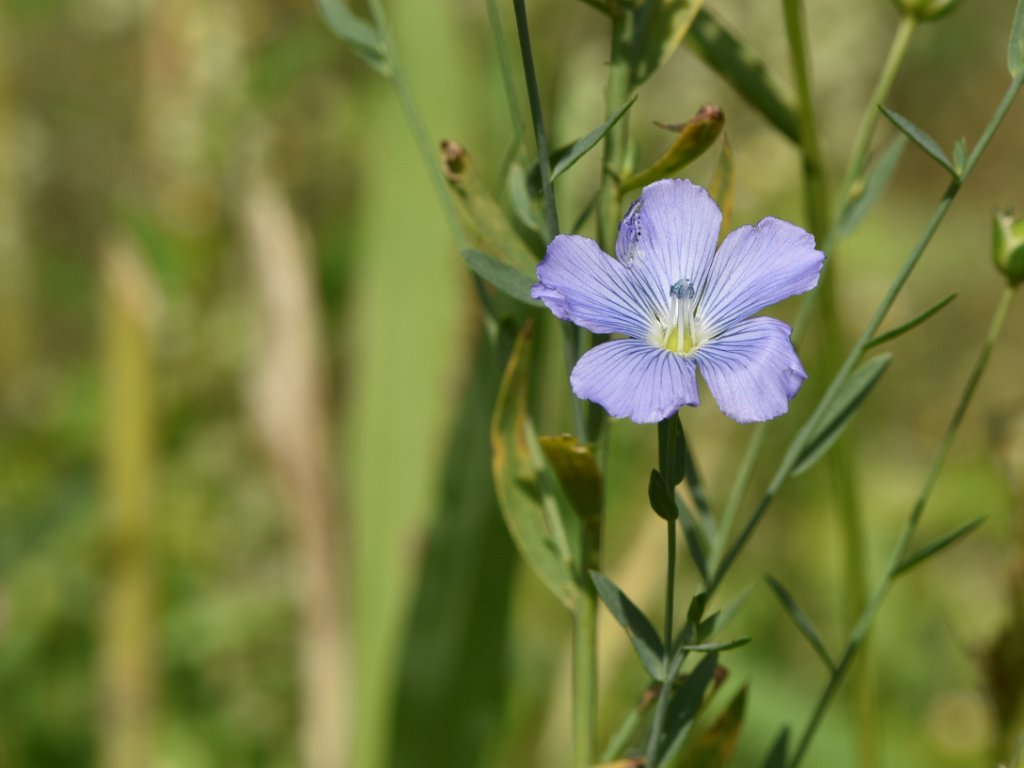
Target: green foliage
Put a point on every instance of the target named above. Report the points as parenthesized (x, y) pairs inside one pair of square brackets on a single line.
[(641, 632), (660, 28), (695, 138), (925, 142)]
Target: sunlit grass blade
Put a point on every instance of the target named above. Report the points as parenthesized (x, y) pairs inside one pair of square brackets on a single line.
[(910, 325), (936, 546), (502, 276), (563, 158), (641, 632), (715, 746), (802, 621), (448, 680), (1015, 48), (358, 33), (660, 28), (695, 137), (920, 138), (745, 71), (836, 416), (877, 182)]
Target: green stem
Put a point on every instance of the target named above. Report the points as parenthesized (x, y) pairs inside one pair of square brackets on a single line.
[(620, 75), (862, 142), (799, 442), (867, 616), (584, 657), (504, 61), (654, 741)]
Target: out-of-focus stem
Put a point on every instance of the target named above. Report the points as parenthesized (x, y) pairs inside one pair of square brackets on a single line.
[(127, 677), (842, 458), (862, 142), (615, 142)]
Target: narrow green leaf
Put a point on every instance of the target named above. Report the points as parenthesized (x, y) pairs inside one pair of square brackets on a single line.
[(524, 208), (695, 544), (777, 756), (1015, 49), (662, 499), (527, 503), (685, 704), (960, 155), (802, 620), (859, 204), (576, 469), (745, 71), (696, 608), (723, 646), (715, 746), (563, 158), (505, 278), (695, 137), (660, 28), (908, 326), (360, 34), (839, 412), (722, 189), (937, 545), (639, 628), (717, 621), (919, 137)]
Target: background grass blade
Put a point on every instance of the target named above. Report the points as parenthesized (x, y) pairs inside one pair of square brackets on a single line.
[(802, 620)]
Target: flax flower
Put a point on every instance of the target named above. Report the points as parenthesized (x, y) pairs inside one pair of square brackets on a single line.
[(676, 304)]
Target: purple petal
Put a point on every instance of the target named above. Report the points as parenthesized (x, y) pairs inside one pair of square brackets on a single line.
[(753, 370), (670, 234), (634, 380), (582, 284), (757, 267)]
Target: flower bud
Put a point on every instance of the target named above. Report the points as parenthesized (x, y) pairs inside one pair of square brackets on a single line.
[(925, 10), (1008, 246)]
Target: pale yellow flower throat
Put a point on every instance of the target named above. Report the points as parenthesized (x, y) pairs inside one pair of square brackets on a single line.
[(679, 331)]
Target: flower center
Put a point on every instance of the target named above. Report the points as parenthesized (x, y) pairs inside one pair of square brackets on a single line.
[(679, 332)]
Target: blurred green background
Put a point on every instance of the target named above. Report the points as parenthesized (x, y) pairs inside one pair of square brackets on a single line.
[(236, 391)]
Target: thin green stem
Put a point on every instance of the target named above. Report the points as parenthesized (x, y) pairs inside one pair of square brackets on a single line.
[(866, 129), (620, 73), (654, 741), (867, 616), (798, 444), (584, 657)]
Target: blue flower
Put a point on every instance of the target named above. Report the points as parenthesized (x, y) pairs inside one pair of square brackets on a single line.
[(680, 305)]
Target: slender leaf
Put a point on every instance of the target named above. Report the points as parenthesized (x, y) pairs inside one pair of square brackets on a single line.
[(360, 34), (576, 469), (840, 410), (716, 622), (937, 545), (715, 746), (563, 158), (745, 71), (722, 189), (802, 620), (1015, 48), (528, 506), (660, 28), (919, 137), (777, 756), (504, 277), (695, 137), (685, 704), (727, 645), (908, 326), (695, 543), (639, 628), (854, 211), (960, 155)]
